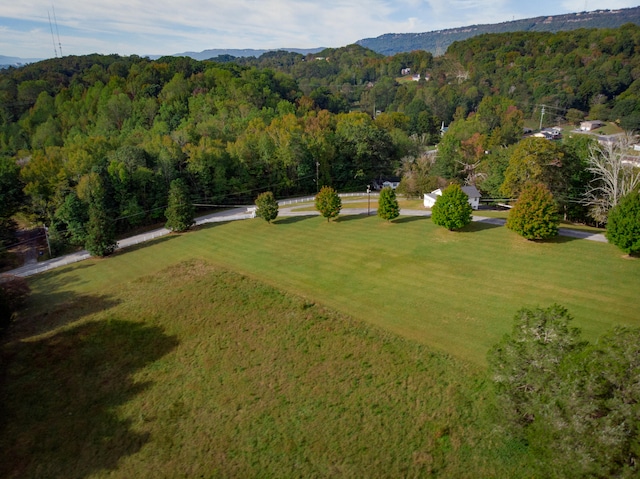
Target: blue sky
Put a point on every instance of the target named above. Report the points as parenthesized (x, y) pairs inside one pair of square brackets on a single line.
[(149, 27)]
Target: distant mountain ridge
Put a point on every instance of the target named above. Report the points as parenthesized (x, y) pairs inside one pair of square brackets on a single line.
[(247, 52), (15, 61), (437, 42)]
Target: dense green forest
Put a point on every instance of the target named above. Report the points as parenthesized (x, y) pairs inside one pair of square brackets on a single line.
[(108, 134)]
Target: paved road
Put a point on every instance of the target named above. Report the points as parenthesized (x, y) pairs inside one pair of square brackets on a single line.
[(242, 213)]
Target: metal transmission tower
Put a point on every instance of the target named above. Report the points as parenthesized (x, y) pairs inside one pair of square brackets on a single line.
[(55, 50), (55, 20)]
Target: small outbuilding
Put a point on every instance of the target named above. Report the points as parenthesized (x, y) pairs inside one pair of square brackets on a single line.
[(590, 125), (471, 191)]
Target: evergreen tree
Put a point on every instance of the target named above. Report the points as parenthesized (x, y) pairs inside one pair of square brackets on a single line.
[(623, 225), (535, 214), (388, 208), (267, 207), (452, 209), (101, 232), (180, 213), (328, 203)]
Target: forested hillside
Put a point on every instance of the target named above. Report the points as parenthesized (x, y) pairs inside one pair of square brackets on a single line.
[(111, 133), (438, 41)]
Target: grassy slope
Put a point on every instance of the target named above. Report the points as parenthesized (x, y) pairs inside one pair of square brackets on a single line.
[(200, 372), (142, 365), (453, 291)]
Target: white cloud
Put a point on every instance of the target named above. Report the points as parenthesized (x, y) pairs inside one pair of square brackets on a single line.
[(170, 26), (589, 5)]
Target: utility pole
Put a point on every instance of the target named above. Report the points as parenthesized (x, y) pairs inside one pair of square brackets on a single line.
[(46, 235), (368, 199), (541, 116), (317, 176)]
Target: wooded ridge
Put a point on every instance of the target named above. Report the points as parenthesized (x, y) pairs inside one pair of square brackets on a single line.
[(121, 129)]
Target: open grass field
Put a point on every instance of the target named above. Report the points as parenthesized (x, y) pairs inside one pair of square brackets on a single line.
[(197, 371), (456, 292), (298, 349)]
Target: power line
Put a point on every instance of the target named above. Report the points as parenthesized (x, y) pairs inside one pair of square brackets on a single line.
[(55, 50), (57, 31)]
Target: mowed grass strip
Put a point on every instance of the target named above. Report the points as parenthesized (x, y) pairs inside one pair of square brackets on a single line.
[(198, 371), (455, 291)]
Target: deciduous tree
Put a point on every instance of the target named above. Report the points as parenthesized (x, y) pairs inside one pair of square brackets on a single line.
[(574, 404), (452, 209), (535, 214), (535, 160), (328, 203), (525, 365), (613, 178)]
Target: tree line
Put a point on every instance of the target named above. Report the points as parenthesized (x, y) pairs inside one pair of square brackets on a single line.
[(105, 136)]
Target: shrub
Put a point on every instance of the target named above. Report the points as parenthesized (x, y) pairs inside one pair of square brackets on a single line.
[(267, 207)]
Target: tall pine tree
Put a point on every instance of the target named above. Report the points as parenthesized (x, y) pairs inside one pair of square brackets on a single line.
[(180, 212), (101, 232)]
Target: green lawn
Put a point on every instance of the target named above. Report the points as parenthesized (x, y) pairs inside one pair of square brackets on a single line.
[(456, 292), (297, 349)]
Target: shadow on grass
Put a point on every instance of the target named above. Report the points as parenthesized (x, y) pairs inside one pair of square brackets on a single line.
[(409, 219), (61, 396), (145, 244), (289, 220), (481, 225), (345, 218), (560, 239), (55, 310), (582, 229)]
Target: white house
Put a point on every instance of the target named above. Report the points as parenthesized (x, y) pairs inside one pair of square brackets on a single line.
[(590, 125), (471, 191), (392, 182)]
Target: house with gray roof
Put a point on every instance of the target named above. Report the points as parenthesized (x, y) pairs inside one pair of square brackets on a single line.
[(471, 191)]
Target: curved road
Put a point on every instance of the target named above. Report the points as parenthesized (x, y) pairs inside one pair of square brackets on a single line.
[(242, 213)]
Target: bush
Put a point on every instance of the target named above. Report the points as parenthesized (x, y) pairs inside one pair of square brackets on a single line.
[(535, 214), (452, 209), (267, 207), (623, 224)]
